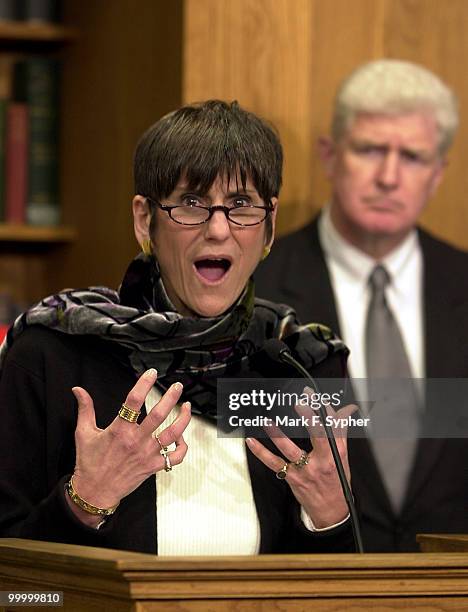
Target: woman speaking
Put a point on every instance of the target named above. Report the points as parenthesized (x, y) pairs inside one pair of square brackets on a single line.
[(108, 399)]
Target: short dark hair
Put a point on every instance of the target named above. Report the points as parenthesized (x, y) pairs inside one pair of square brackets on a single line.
[(204, 140)]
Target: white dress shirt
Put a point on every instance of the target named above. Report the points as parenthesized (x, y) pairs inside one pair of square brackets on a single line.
[(350, 269)]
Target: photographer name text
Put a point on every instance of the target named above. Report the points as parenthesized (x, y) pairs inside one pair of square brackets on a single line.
[(286, 421)]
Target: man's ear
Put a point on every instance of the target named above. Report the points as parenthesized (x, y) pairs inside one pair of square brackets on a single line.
[(326, 148), (439, 173), (141, 219)]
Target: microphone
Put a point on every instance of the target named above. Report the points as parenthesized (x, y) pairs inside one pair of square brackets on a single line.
[(278, 351)]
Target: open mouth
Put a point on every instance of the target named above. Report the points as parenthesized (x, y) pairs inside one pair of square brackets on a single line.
[(212, 270)]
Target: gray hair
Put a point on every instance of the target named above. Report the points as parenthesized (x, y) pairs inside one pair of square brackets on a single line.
[(394, 87)]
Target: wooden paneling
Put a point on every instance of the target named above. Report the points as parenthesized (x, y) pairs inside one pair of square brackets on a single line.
[(285, 58), (257, 52), (433, 34), (343, 39)]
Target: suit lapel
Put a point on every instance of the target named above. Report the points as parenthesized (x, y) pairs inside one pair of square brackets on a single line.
[(440, 359), (367, 483), (313, 290), (442, 304)]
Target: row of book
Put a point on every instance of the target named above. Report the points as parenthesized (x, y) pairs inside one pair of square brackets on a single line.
[(9, 310), (29, 144), (46, 11)]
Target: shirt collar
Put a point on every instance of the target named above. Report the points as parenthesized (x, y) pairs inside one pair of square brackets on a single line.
[(358, 265)]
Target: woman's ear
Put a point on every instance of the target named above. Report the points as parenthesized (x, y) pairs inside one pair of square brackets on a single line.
[(269, 243), (141, 220)]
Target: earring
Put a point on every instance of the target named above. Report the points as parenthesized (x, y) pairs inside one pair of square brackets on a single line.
[(266, 252), (146, 247)]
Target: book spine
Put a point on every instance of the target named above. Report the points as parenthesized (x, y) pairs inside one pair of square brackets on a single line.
[(16, 162), (36, 84), (10, 10), (7, 62), (44, 11)]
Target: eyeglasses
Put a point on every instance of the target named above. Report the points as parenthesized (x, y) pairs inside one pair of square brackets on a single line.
[(196, 214)]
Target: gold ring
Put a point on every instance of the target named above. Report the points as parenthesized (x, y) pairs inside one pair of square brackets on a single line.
[(163, 448), (282, 472), (302, 461), (128, 414), (167, 463)]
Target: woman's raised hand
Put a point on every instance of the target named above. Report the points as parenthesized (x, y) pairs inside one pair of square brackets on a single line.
[(312, 476), (113, 462)]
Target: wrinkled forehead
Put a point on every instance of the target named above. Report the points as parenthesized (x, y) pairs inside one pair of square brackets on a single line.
[(417, 129)]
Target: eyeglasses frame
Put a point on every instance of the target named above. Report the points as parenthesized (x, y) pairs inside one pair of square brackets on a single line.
[(269, 208)]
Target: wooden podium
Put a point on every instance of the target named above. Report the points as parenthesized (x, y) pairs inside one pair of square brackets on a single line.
[(445, 542), (101, 580)]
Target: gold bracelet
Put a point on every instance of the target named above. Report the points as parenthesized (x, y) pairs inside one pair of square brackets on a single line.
[(86, 506)]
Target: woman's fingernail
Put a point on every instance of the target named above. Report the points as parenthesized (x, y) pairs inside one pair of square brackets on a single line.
[(178, 386), (151, 373), (188, 405), (250, 441)]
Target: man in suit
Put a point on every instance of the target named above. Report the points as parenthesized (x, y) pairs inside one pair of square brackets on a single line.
[(392, 127)]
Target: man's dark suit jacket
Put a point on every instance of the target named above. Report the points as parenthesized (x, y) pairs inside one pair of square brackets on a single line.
[(295, 273)]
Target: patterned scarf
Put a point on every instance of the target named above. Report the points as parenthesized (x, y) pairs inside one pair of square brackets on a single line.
[(194, 350)]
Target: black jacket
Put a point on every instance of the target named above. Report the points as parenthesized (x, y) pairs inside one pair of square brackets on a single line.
[(296, 273), (37, 454)]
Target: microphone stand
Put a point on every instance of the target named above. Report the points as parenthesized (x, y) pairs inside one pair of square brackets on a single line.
[(286, 357)]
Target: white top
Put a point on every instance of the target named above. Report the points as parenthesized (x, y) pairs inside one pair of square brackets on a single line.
[(205, 506), (350, 269)]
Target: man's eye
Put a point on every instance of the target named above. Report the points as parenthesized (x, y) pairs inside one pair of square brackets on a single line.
[(410, 156), (368, 150)]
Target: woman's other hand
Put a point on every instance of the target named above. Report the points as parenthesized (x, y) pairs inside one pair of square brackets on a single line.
[(312, 476), (113, 462)]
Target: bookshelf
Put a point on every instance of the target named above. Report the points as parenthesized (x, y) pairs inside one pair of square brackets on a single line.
[(26, 250), (121, 71), (21, 32), (30, 234)]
